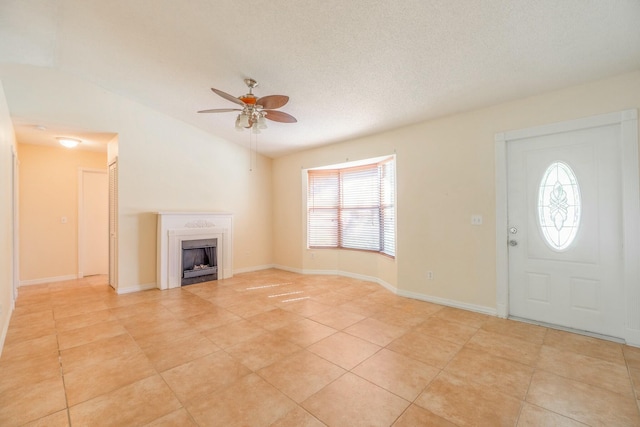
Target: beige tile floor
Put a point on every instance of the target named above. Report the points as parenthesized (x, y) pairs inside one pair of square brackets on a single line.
[(274, 348)]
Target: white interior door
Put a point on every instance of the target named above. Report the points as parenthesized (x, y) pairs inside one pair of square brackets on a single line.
[(93, 249), (113, 224), (565, 229), (15, 222)]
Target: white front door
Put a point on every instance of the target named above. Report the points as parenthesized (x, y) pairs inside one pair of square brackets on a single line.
[(564, 193)]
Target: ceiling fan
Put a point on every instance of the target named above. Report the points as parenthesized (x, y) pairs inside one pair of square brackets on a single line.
[(254, 110)]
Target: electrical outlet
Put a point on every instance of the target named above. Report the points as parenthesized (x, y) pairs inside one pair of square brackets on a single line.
[(476, 219), (63, 220), (312, 255), (429, 275)]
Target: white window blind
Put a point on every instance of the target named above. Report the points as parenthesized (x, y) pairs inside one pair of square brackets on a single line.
[(352, 208), (388, 206), (323, 202)]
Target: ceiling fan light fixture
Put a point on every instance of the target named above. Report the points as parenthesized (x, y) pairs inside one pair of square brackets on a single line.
[(255, 111), (68, 142), (244, 120), (262, 122)]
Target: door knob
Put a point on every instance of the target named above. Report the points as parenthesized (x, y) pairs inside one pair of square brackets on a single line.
[(513, 243)]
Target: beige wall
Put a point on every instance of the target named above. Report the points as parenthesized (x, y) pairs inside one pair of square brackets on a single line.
[(7, 145), (163, 165), (445, 174), (48, 192)]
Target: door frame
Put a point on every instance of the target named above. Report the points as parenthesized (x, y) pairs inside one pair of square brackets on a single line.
[(628, 122), (113, 222), (15, 200), (81, 248)]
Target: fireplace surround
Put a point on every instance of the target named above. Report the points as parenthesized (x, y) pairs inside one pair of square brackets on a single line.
[(175, 228)]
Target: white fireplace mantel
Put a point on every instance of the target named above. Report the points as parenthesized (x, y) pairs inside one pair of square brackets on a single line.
[(175, 227)]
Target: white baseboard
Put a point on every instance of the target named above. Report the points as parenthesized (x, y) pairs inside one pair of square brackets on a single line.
[(442, 301), (632, 337), (322, 272), (5, 326), (377, 280), (48, 280), (449, 303), (136, 288), (291, 269), (502, 311), (254, 268)]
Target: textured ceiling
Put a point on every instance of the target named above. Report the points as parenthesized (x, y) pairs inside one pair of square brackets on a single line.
[(351, 68)]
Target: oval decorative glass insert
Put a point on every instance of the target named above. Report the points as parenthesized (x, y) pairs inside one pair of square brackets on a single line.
[(559, 206)]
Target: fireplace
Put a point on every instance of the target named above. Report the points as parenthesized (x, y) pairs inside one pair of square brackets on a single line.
[(210, 235), (199, 261)]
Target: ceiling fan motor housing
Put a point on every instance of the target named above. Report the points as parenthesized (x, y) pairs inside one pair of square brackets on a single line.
[(248, 99)]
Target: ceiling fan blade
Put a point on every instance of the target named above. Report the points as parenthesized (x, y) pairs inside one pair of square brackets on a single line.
[(219, 110), (228, 97), (272, 101), (279, 116)]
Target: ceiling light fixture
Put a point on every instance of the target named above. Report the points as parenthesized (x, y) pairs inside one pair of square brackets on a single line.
[(254, 110), (254, 114), (69, 142)]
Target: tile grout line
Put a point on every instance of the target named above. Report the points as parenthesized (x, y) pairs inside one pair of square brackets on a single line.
[(636, 393), (158, 373), (64, 384), (535, 370)]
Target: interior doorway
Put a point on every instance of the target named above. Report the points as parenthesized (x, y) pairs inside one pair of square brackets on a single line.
[(93, 222)]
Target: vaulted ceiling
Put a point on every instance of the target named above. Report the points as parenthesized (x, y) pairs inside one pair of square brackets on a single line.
[(350, 68)]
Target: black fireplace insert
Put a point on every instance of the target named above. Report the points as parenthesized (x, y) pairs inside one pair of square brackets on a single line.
[(199, 261)]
